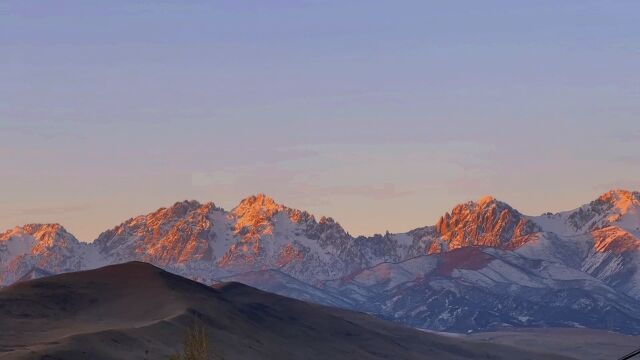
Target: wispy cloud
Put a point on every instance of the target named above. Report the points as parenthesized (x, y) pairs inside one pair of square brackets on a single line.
[(294, 184), (42, 211), (383, 191), (42, 132), (627, 184), (471, 183), (631, 135), (633, 160)]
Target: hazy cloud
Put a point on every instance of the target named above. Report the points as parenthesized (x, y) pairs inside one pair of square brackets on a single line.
[(293, 183), (626, 184), (42, 132), (633, 160), (628, 135), (42, 211), (383, 191), (471, 183)]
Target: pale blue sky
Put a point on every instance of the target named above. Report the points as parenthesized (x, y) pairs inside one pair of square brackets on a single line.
[(381, 114)]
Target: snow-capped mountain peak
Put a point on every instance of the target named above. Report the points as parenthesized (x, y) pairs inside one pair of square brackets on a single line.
[(621, 197), (177, 234), (37, 238), (487, 222), (48, 246), (619, 208), (487, 199), (624, 208), (255, 215)]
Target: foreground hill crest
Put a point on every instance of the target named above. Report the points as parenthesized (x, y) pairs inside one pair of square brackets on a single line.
[(113, 317)]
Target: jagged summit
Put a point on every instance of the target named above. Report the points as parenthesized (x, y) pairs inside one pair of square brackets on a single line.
[(184, 206), (261, 200), (486, 200), (181, 208), (43, 235), (620, 208), (264, 206), (620, 195), (256, 209), (177, 234), (46, 246), (486, 222), (32, 228), (259, 211), (39, 229), (614, 221), (621, 201), (483, 204)]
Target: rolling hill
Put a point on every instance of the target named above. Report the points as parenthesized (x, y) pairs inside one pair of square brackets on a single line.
[(138, 311)]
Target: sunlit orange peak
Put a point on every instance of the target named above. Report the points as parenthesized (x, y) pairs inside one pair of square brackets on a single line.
[(486, 199)]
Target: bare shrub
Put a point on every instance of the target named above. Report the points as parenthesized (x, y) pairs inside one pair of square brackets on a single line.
[(196, 345)]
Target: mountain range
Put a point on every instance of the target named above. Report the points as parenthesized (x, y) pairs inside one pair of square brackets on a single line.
[(483, 265)]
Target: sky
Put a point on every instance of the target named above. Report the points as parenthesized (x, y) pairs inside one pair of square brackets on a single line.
[(380, 114)]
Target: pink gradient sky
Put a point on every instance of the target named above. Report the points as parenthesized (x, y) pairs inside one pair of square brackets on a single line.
[(380, 115)]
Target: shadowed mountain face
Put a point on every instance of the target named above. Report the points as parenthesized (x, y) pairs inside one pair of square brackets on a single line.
[(484, 288), (138, 311)]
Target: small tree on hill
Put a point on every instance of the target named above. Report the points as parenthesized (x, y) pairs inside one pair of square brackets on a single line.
[(196, 345)]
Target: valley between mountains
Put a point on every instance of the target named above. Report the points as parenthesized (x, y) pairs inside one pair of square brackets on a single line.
[(482, 266)]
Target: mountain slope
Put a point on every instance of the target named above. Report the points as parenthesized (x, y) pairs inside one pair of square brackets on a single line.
[(137, 311), (280, 283), (606, 233), (487, 289), (35, 273)]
